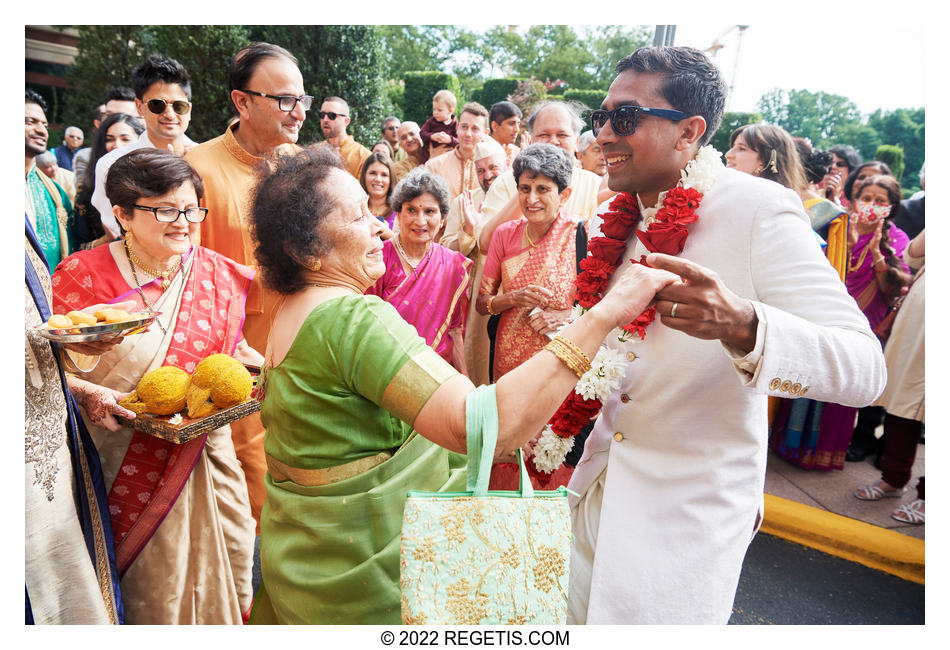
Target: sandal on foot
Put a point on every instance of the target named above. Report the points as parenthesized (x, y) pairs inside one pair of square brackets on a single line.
[(911, 513), (875, 492)]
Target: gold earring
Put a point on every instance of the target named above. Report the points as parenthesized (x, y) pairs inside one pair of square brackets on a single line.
[(128, 236), (315, 266), (772, 163)]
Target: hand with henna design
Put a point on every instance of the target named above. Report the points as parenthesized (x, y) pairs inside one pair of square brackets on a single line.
[(101, 404)]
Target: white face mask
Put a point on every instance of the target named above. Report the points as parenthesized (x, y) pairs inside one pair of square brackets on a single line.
[(868, 212)]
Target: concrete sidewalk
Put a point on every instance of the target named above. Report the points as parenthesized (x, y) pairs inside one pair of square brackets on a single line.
[(817, 509)]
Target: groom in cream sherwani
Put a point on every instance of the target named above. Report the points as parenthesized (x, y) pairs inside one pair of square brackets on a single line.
[(671, 480)]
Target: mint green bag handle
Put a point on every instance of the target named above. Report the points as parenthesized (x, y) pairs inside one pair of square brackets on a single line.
[(481, 428)]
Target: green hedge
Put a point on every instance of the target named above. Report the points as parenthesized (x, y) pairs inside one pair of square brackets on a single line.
[(893, 155), (420, 87), (495, 90), (592, 99)]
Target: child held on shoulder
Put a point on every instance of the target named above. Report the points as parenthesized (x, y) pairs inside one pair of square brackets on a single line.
[(439, 131)]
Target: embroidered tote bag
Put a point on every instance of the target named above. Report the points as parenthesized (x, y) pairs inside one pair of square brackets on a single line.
[(480, 557)]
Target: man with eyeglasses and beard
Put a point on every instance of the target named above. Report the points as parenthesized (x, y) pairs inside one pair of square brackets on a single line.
[(267, 91), (334, 118), (163, 99), (670, 484)]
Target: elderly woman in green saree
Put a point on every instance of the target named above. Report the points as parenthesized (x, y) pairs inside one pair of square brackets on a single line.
[(358, 409)]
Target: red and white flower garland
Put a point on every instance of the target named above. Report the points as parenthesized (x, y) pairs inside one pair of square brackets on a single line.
[(666, 233)]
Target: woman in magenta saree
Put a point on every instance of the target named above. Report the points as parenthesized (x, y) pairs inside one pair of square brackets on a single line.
[(180, 514), (815, 435), (426, 282)]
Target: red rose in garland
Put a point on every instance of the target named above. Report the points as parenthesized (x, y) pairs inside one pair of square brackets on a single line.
[(606, 249), (662, 237)]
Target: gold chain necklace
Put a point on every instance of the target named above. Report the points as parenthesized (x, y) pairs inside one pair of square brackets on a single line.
[(528, 237), (138, 286), (166, 276), (405, 256)]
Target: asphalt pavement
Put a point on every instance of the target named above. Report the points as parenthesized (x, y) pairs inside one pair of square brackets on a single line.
[(783, 583)]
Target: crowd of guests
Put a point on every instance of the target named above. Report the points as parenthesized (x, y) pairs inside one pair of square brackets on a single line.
[(471, 227)]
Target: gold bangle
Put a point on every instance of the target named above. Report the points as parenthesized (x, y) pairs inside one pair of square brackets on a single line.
[(490, 298), (572, 356)]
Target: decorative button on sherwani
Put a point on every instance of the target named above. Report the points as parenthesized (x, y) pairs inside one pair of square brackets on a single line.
[(795, 389), (618, 437), (631, 356), (785, 386), (775, 383), (804, 390), (624, 398)]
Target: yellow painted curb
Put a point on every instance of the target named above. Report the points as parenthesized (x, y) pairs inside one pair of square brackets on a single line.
[(857, 541)]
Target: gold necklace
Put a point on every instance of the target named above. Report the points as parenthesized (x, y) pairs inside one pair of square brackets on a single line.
[(166, 276), (528, 237), (138, 286), (405, 256), (861, 259)]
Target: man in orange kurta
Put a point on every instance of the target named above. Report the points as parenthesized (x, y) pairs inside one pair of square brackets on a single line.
[(334, 118), (258, 75)]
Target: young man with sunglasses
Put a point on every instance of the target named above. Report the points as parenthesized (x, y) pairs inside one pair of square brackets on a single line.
[(267, 90), (671, 480), (334, 118), (163, 98)]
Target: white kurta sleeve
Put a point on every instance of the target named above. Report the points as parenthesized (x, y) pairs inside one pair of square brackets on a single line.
[(817, 343)]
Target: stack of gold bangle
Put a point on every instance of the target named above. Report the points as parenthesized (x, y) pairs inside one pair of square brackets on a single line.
[(572, 356)]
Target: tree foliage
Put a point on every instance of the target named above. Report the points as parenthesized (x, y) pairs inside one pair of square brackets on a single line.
[(810, 115), (731, 122), (893, 155), (582, 58)]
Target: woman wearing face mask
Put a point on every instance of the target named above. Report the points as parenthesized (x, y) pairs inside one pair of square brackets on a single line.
[(815, 435), (876, 271)]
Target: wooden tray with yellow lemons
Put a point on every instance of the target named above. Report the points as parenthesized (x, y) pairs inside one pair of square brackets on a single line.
[(178, 407)]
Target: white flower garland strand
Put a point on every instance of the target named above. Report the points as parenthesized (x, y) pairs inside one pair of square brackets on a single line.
[(607, 368)]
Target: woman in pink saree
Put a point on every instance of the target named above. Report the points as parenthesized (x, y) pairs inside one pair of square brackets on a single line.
[(529, 277), (180, 513), (426, 282)]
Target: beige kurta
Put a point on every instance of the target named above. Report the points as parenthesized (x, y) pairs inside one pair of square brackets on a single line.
[(458, 172), (60, 578), (904, 394), (196, 568), (404, 166), (476, 335)]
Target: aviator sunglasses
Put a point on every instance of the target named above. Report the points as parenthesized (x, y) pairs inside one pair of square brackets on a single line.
[(158, 106), (330, 114), (623, 119)]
